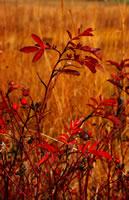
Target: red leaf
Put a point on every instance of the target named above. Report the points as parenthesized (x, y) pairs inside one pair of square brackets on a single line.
[(94, 152), (108, 102), (99, 67), (94, 100), (63, 140), (114, 119), (102, 154), (90, 66), (76, 38), (53, 157), (125, 60), (94, 145), (71, 124), (65, 135), (99, 108), (48, 147), (80, 148), (79, 45), (38, 55), (90, 105), (105, 155), (67, 129), (126, 65), (29, 49), (98, 55), (115, 83), (43, 159), (78, 31), (87, 32), (113, 63), (69, 56), (92, 50), (38, 40), (70, 35), (71, 72), (73, 44), (86, 48), (87, 144)]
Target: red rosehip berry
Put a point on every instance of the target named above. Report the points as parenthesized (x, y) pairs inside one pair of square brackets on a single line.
[(117, 161), (118, 171), (57, 172), (15, 106), (25, 92), (23, 101), (74, 192), (117, 156), (65, 188)]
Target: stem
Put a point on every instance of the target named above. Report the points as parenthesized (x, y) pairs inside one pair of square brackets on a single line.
[(86, 184)]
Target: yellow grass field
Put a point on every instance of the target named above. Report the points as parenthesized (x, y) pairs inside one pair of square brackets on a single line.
[(18, 20)]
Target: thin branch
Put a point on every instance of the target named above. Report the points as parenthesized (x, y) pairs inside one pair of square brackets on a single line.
[(41, 80)]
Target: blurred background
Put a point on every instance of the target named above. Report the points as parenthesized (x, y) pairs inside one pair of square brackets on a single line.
[(50, 19)]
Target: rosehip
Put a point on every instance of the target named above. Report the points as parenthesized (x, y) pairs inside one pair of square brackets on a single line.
[(74, 192), (23, 101), (117, 156), (25, 92), (15, 107), (117, 161)]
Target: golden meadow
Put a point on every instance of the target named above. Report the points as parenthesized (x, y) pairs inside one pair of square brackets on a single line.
[(18, 20)]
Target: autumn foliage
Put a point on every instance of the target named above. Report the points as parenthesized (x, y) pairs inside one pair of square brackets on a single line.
[(34, 165)]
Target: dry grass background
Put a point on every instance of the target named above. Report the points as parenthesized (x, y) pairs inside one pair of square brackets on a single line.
[(18, 20)]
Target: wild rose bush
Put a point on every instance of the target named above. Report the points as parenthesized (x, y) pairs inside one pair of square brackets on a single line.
[(34, 165)]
